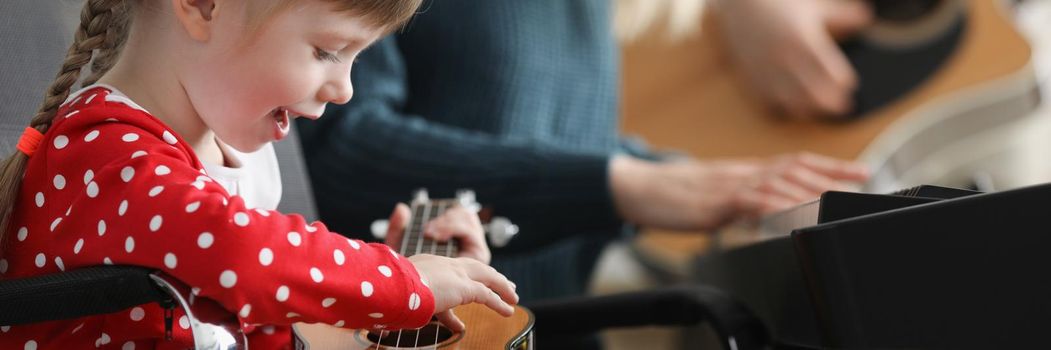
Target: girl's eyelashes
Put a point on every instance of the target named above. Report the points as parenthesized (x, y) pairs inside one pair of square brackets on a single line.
[(326, 56)]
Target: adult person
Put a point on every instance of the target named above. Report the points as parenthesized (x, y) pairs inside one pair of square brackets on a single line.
[(517, 100)]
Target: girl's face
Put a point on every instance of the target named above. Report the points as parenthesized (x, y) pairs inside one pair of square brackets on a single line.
[(250, 83)]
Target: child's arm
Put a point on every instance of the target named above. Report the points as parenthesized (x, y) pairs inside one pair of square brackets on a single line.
[(160, 211)]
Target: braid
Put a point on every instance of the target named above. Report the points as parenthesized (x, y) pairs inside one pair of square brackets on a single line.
[(115, 37), (96, 31)]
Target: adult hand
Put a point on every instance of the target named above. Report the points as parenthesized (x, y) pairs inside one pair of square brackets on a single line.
[(788, 52), (696, 195), (457, 223)]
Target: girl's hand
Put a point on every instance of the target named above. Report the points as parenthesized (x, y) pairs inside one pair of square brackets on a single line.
[(459, 281), (457, 223)]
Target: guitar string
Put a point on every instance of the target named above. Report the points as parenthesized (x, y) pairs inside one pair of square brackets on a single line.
[(405, 238), (442, 206)]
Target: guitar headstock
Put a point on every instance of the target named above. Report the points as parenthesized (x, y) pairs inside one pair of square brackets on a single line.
[(499, 229)]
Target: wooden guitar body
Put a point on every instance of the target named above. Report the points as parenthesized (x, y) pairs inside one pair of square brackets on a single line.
[(485, 330)]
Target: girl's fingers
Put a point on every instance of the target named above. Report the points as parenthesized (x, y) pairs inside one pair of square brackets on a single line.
[(492, 281), (450, 321)]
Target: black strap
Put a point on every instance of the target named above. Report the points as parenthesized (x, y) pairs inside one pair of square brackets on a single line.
[(78, 293)]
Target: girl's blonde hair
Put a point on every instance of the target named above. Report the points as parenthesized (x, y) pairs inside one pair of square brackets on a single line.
[(98, 40)]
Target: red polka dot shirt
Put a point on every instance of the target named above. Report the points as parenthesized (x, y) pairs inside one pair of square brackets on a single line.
[(111, 184)]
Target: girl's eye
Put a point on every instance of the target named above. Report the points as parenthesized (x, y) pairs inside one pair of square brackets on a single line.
[(326, 56)]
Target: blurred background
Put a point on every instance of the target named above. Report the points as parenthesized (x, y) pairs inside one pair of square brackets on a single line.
[(974, 119)]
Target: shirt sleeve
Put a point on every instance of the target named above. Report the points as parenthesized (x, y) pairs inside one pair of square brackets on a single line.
[(375, 143), (153, 206)]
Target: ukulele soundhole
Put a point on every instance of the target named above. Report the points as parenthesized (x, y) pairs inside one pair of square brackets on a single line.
[(428, 336)]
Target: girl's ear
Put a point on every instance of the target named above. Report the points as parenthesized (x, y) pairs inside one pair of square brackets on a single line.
[(195, 16)]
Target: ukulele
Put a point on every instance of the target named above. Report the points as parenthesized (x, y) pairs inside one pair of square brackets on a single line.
[(485, 328)]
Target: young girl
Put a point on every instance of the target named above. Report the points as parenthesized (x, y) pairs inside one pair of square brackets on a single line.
[(118, 173)]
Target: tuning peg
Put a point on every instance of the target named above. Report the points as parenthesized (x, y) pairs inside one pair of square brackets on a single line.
[(379, 228), (466, 198), (500, 231)]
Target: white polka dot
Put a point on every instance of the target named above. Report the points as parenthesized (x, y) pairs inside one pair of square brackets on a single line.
[(88, 175), (195, 291), (328, 302), (30, 345), (338, 324), (91, 136), (92, 97), (40, 199), (315, 274), (162, 170), (129, 244), (107, 261), (5, 328), (59, 182), (58, 262), (102, 227), (245, 310), (184, 322), (311, 228), (228, 279), (156, 222), (55, 224), (40, 260), (282, 293), (22, 234), (291, 315), (366, 289), (77, 247), (77, 329), (192, 207), (414, 301), (3, 265), (225, 202), (130, 137), (203, 178), (338, 256), (263, 212), (127, 173), (61, 141), (394, 254), (137, 314), (241, 219), (138, 154), (354, 244), (384, 270), (93, 189), (198, 184), (169, 138), (294, 238), (104, 339), (424, 281), (156, 190), (130, 345), (266, 256), (268, 330), (73, 113), (205, 240), (376, 315), (170, 261), (123, 207), (68, 210)]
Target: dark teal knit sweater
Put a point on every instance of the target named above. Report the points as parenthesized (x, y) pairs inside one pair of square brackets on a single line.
[(515, 99)]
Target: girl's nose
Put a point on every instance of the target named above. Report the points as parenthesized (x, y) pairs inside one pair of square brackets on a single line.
[(338, 91)]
